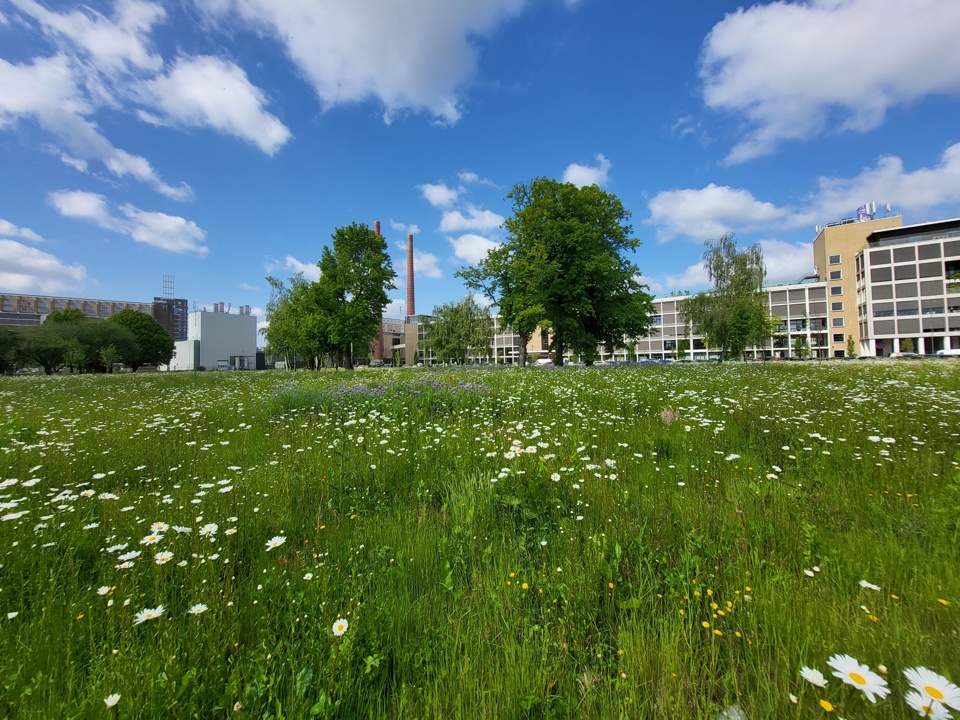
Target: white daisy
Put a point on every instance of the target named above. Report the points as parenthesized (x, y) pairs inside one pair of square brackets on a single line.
[(111, 700), (148, 614), (859, 676), (340, 627), (933, 686), (926, 707), (198, 609), (275, 542), (162, 558), (814, 676)]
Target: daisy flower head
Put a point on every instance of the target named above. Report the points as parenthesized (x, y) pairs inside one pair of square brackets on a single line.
[(933, 687), (275, 542), (209, 530), (340, 627), (926, 707), (198, 609), (159, 527), (111, 700), (162, 558), (148, 614), (859, 676), (152, 539), (813, 676), (868, 585)]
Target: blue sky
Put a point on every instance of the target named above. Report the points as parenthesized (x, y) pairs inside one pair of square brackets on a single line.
[(220, 141)]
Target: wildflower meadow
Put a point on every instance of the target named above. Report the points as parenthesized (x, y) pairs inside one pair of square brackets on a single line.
[(692, 541)]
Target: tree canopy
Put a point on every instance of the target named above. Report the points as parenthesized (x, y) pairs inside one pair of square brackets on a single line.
[(457, 331), (733, 314), (154, 344), (338, 315), (563, 266)]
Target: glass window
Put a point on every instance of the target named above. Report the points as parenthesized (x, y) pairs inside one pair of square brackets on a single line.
[(838, 322), (836, 306), (838, 337), (836, 274), (836, 290), (834, 260)]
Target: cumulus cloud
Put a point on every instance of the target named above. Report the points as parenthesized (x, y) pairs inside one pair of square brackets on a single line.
[(27, 269), (424, 264), (583, 175), (472, 249), (9, 230), (120, 43), (694, 278), (482, 300), (166, 232), (918, 190), (394, 308), (49, 90), (248, 287), (404, 228), (293, 266), (214, 93), (425, 71), (710, 212), (475, 219), (438, 195), (786, 262), (793, 70)]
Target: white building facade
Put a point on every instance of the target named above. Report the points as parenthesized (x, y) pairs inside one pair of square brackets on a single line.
[(218, 340)]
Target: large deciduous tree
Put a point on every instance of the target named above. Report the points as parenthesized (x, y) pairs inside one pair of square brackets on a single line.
[(154, 344), (733, 314), (351, 294), (455, 332), (563, 266)]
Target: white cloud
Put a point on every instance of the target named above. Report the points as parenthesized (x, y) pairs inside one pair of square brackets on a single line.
[(583, 175), (416, 55), (405, 229), (919, 190), (3, 19), (166, 232), (9, 230), (426, 264), (112, 44), (26, 269), (210, 92), (786, 262), (466, 176), (710, 212), (49, 90), (249, 287), (693, 278), (394, 309), (76, 163), (482, 300), (472, 249), (475, 219), (438, 195), (294, 267), (794, 70)]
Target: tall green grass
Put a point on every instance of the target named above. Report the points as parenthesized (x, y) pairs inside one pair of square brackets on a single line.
[(635, 543)]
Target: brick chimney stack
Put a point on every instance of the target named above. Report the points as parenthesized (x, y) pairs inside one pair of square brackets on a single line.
[(378, 341), (411, 310)]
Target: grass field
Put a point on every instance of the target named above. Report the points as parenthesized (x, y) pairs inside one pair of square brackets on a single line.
[(661, 542)]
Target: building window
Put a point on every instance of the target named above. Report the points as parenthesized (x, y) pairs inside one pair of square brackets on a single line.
[(834, 260), (838, 322), (836, 306), (836, 274), (838, 337), (836, 290)]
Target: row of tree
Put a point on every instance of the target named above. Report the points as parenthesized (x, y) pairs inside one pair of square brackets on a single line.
[(67, 338), (563, 269), (335, 318)]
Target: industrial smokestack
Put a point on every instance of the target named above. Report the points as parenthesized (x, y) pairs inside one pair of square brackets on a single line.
[(411, 310), (376, 226)]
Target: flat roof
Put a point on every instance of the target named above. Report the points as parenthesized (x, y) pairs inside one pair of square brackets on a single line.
[(906, 231)]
